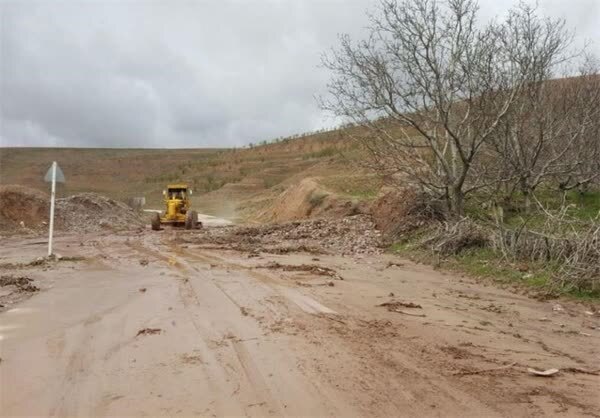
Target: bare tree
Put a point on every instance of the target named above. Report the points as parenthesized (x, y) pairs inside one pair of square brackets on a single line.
[(432, 87), (549, 135), (581, 168)]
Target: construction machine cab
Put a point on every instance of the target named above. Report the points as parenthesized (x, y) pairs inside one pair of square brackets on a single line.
[(177, 208)]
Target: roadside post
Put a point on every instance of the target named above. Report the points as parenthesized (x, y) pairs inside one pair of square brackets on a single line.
[(53, 175)]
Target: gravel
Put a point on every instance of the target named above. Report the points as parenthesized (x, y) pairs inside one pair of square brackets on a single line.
[(91, 212)]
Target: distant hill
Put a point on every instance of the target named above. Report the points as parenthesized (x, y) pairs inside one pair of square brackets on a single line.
[(234, 182)]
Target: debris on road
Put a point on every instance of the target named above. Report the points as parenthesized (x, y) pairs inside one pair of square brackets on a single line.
[(22, 283), (44, 262), (287, 312), (394, 305), (352, 235), (309, 268), (408, 313), (543, 373), (191, 359), (148, 331), (485, 371), (17, 289), (580, 370)]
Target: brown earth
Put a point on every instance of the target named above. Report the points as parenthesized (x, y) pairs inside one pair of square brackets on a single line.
[(26, 210), (23, 208), (88, 212), (225, 181), (308, 199), (200, 331)]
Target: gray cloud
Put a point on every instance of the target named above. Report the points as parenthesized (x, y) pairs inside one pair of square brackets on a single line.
[(179, 73)]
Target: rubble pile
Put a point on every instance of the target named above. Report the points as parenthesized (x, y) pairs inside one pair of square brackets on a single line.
[(91, 212), (351, 235), (24, 210)]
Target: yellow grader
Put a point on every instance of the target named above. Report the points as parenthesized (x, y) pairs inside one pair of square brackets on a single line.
[(177, 209)]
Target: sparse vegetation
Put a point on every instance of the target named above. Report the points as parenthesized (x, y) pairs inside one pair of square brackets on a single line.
[(501, 122), (317, 198)]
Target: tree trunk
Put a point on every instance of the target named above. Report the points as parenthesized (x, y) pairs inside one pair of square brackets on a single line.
[(457, 202), (526, 190)]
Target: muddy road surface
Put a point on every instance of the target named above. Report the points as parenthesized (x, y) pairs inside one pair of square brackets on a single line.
[(134, 324)]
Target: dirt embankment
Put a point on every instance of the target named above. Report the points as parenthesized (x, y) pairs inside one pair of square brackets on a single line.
[(22, 208), (26, 210), (394, 212), (307, 199)]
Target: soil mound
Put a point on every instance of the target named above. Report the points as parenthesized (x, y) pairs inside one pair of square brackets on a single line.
[(26, 210), (23, 208), (91, 212)]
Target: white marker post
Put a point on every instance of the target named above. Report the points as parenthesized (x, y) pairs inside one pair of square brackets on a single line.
[(53, 175)]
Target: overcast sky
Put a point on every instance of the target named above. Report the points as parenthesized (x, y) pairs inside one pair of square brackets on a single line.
[(182, 73)]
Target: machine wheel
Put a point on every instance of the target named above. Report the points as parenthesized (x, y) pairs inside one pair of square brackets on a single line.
[(155, 222), (191, 219)]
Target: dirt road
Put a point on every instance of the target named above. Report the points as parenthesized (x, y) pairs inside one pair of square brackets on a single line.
[(146, 326)]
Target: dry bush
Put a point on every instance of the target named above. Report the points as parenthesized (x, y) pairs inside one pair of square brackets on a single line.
[(451, 238), (400, 211), (569, 248), (580, 269), (570, 244)]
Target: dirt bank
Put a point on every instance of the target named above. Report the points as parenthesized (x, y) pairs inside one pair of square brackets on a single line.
[(23, 208)]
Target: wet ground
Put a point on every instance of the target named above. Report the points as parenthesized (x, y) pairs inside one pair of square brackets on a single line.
[(152, 324)]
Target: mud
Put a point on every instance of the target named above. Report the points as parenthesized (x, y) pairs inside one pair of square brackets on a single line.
[(149, 331), (15, 289), (394, 305), (307, 268), (237, 339)]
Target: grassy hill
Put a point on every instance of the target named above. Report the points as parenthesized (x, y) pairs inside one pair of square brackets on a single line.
[(224, 180)]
